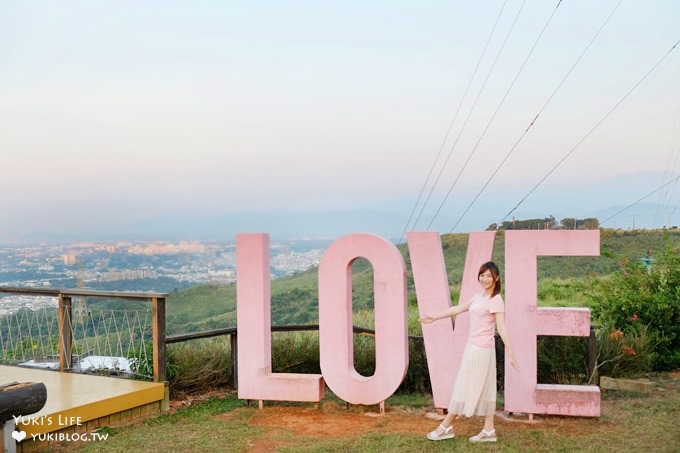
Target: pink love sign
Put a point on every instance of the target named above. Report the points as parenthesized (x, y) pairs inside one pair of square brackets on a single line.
[(443, 344)]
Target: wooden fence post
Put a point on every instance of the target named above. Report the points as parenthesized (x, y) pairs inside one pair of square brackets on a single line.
[(592, 354), (234, 359), (158, 328), (65, 333)]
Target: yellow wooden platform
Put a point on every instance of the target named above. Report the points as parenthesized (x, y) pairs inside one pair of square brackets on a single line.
[(81, 403)]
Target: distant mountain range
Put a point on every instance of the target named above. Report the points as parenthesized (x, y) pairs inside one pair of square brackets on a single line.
[(600, 199)]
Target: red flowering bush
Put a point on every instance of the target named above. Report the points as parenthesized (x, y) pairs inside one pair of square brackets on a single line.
[(637, 297), (621, 354)]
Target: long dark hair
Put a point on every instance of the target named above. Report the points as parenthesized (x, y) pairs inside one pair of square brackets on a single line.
[(495, 273)]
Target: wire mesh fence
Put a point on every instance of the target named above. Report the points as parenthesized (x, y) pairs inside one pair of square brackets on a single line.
[(104, 340)]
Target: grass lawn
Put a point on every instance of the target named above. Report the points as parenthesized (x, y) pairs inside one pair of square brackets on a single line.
[(630, 422)]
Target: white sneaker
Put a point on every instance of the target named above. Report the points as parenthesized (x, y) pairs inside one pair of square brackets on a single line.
[(441, 433), (484, 436)]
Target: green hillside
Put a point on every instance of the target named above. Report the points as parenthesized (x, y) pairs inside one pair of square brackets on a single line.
[(295, 299)]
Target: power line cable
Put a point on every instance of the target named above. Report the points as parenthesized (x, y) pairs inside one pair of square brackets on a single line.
[(672, 213), (472, 109), (671, 166), (638, 201), (488, 76), (455, 116), (493, 116), (590, 131), (533, 121)]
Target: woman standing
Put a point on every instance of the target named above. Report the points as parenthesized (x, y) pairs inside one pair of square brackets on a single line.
[(474, 392)]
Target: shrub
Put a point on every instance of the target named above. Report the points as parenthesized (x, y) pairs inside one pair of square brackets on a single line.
[(562, 360), (141, 357), (295, 352), (621, 354), (638, 296), (199, 365)]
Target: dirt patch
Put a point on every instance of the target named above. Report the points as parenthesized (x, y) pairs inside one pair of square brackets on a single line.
[(333, 421), (336, 422), (330, 421)]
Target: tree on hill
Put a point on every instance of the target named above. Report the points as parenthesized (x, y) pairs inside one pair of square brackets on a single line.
[(548, 223), (570, 223)]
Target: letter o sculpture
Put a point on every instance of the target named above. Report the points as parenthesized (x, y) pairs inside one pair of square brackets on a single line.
[(335, 319)]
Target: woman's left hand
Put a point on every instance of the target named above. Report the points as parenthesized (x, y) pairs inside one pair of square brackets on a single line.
[(513, 362)]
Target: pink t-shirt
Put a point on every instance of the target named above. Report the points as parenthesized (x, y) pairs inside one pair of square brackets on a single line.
[(483, 319)]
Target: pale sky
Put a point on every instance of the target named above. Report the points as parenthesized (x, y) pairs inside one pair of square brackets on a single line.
[(114, 110)]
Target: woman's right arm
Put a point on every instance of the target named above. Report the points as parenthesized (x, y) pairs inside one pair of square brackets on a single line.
[(449, 313)]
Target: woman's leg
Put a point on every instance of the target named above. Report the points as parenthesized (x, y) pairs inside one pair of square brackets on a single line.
[(488, 423), (448, 420)]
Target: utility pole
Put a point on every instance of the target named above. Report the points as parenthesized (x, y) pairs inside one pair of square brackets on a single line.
[(79, 308)]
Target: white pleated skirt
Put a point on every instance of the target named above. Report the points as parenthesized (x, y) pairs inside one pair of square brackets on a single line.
[(474, 392)]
